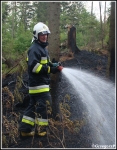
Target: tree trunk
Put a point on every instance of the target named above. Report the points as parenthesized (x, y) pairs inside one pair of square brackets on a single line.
[(72, 40), (111, 58), (13, 19), (53, 23), (104, 25), (101, 24), (91, 36), (105, 14), (92, 9), (54, 50)]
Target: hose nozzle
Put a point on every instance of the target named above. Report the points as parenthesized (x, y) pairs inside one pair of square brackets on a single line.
[(60, 68)]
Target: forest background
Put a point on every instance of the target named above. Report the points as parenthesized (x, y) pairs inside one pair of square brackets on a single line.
[(19, 18)]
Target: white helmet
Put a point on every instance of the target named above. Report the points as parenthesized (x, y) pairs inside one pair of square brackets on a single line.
[(40, 28)]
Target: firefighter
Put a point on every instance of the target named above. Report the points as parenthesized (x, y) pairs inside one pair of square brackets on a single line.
[(35, 117)]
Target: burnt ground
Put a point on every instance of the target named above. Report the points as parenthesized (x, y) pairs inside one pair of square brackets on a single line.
[(12, 111)]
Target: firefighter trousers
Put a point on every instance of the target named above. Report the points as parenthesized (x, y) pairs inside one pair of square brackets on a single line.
[(38, 112)]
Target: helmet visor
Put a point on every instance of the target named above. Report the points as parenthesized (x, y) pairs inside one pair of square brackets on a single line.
[(43, 32)]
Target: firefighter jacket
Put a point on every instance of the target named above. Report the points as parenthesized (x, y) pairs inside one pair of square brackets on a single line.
[(38, 68)]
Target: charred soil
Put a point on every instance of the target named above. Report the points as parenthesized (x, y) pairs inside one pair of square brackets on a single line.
[(13, 107)]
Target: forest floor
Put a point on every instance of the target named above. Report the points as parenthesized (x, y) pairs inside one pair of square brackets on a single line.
[(11, 113)]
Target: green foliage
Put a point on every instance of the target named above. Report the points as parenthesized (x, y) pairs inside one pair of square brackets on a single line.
[(22, 40), (40, 11), (17, 25), (106, 40), (4, 68), (80, 39), (4, 11), (63, 36), (7, 44)]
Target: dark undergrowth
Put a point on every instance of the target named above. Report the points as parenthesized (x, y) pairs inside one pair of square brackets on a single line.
[(64, 131)]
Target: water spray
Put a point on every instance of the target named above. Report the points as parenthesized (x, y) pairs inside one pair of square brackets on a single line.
[(98, 97)]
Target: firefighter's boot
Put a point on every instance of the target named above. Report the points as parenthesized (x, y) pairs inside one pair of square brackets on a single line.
[(41, 131), (26, 134)]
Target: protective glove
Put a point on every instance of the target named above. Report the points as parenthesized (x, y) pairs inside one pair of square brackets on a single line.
[(56, 64), (54, 70)]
